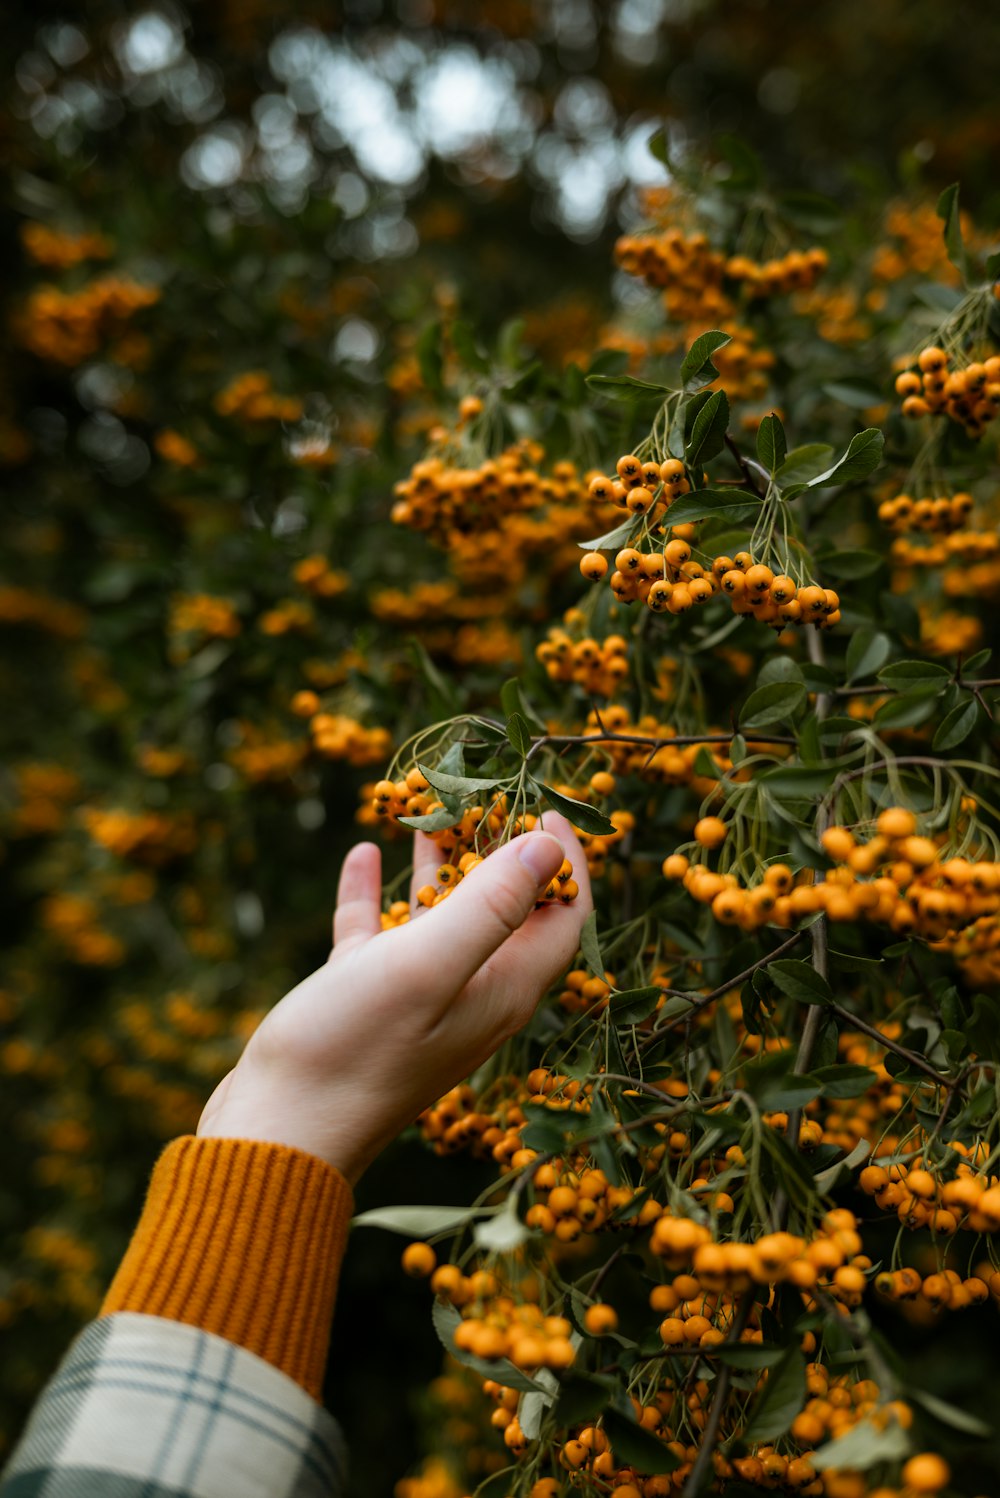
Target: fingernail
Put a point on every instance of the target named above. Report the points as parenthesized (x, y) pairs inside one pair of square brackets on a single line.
[(541, 853)]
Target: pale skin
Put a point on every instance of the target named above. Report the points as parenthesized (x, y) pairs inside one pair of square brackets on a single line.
[(395, 1018)]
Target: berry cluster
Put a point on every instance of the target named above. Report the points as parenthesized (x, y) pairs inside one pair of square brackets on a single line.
[(969, 395), (599, 667), (943, 514), (251, 397)]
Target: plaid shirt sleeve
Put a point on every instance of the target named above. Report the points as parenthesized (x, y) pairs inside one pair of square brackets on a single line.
[(145, 1407)]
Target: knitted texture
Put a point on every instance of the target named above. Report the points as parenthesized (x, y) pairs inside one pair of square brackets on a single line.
[(244, 1239)]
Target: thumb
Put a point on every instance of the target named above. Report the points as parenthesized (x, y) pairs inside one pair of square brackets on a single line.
[(489, 905)]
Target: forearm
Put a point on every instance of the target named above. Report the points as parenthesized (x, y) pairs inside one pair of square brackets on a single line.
[(243, 1239), (203, 1372)]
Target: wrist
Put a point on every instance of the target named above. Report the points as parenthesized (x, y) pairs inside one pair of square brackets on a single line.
[(258, 1114)]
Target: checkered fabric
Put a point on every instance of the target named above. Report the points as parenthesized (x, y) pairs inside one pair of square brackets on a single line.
[(143, 1407)]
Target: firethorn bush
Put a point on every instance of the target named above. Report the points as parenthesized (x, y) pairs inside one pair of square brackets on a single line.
[(722, 1155), (307, 537)]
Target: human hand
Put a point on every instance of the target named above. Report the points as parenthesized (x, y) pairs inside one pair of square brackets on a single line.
[(395, 1018)]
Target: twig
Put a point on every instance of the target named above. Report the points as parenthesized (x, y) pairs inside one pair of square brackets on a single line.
[(910, 1057), (707, 1448), (699, 1001), (744, 467)]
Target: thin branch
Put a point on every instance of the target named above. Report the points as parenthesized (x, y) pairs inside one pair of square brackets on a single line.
[(699, 1001), (745, 469), (710, 1434)]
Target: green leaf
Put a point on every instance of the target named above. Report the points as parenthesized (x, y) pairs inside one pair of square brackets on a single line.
[(775, 703), (903, 674), (863, 455), (800, 981), (983, 1027), (438, 683), (782, 1397), (779, 668), (587, 818), (825, 1180), (793, 1090), (446, 1319), (509, 342), (582, 1397), (950, 1414), (658, 148), (503, 1232), (909, 709), (416, 1222), (992, 266), (697, 368), (433, 821), (512, 701), (713, 504), (864, 1445), (976, 662), (708, 435), (610, 538), (519, 734), (848, 1080), (804, 462), (545, 1130), (626, 387), (956, 726), (749, 1355), (812, 211), (590, 947), (947, 210), (852, 565), (867, 651), (858, 393), (746, 170), (464, 343), (772, 447), (630, 1006), (635, 1447), (574, 386), (456, 785), (430, 358), (799, 780), (608, 361)]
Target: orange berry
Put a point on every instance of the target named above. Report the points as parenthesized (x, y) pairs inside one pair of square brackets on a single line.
[(594, 566), (600, 1319), (926, 1473), (710, 832), (419, 1260)]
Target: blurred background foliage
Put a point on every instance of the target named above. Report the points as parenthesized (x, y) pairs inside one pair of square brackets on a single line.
[(239, 242)]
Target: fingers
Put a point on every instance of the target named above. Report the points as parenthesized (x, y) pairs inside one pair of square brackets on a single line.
[(427, 859), (560, 827), (459, 935), (358, 914)]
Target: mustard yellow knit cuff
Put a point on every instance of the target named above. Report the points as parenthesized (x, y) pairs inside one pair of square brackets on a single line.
[(244, 1239)]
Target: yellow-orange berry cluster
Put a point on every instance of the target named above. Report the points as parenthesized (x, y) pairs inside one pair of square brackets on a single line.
[(203, 614), (599, 667), (942, 514), (60, 250), (315, 574), (339, 736), (148, 836), (251, 397), (67, 327), (969, 395), (700, 282), (672, 581)]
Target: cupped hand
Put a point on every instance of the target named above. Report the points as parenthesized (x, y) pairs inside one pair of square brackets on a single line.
[(395, 1018)]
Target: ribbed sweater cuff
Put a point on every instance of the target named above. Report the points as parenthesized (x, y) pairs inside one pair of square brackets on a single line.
[(244, 1239)]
